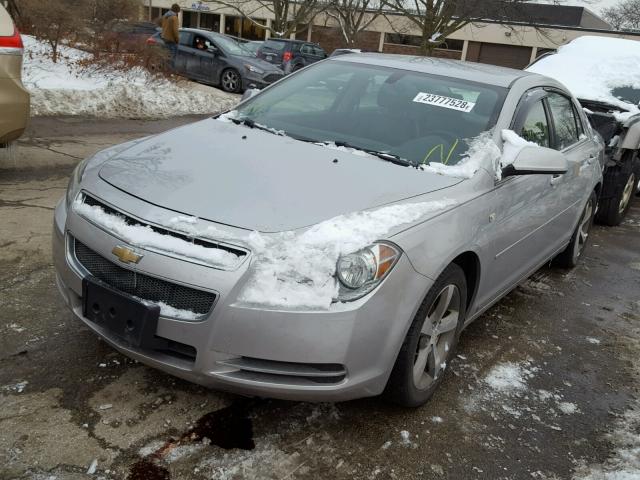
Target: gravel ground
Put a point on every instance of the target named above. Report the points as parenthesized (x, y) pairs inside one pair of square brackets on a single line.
[(545, 384)]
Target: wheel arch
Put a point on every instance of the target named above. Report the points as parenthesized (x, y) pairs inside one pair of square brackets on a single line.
[(469, 262)]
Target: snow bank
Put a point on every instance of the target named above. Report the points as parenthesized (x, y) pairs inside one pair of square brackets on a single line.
[(297, 270), (144, 236), (64, 88), (592, 66)]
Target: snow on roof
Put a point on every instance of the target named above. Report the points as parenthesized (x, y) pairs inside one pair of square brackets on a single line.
[(592, 66)]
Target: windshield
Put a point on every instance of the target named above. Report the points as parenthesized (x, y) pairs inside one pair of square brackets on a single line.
[(418, 117), (232, 46), (627, 94)]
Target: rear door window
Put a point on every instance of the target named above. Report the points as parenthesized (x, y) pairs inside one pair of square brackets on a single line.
[(564, 120), (185, 39)]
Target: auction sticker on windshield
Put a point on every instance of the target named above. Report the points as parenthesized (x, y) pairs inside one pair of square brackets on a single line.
[(444, 102)]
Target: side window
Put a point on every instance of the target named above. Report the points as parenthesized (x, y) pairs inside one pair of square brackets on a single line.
[(318, 52), (185, 39), (564, 120), (306, 49), (581, 127), (535, 127)]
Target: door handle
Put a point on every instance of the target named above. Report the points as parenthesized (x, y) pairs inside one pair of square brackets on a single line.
[(555, 179)]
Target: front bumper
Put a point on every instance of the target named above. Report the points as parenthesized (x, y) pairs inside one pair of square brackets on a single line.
[(344, 353)]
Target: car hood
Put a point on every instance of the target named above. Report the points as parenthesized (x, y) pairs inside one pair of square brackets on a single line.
[(257, 180), (258, 62)]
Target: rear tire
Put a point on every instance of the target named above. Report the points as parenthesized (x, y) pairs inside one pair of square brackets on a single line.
[(231, 81), (621, 182), (430, 342), (571, 255)]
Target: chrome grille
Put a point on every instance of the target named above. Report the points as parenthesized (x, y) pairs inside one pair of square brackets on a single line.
[(89, 200), (141, 285)]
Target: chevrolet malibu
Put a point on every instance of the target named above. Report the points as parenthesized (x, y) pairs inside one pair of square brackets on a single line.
[(331, 237)]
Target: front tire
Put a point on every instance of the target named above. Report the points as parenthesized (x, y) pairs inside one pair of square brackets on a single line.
[(231, 81), (570, 256), (430, 342)]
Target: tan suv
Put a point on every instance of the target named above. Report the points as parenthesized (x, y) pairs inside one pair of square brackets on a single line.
[(14, 99)]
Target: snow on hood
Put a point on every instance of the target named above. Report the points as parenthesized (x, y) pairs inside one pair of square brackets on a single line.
[(591, 67), (296, 270), (65, 88)]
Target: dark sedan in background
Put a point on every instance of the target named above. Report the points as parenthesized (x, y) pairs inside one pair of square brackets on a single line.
[(219, 60), (290, 55)]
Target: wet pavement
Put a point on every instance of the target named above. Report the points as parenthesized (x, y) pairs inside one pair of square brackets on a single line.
[(538, 383)]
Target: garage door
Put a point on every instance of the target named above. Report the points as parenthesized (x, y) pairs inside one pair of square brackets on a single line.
[(505, 55)]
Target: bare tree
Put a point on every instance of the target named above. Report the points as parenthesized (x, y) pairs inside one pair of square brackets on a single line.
[(105, 12), (354, 16), (53, 20), (624, 16), (288, 16), (437, 19)]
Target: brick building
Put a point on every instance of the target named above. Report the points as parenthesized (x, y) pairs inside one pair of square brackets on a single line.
[(513, 42)]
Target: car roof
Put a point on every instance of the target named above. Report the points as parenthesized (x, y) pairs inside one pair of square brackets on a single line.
[(477, 72)]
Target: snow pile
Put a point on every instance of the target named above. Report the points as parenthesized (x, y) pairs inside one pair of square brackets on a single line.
[(484, 153), (297, 270), (591, 67), (64, 88), (145, 237)]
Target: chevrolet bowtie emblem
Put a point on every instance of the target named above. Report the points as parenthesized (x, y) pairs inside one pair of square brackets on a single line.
[(126, 255)]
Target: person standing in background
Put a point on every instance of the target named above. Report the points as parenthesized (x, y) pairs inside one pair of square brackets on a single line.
[(171, 31)]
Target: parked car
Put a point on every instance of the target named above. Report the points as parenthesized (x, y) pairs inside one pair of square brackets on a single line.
[(221, 61), (290, 55), (253, 46), (14, 98), (299, 247), (603, 73), (122, 36)]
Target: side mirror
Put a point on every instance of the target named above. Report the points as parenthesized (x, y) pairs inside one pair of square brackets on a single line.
[(248, 93), (537, 161), (212, 49)]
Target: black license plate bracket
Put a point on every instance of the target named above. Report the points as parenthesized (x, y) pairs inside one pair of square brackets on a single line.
[(127, 317)]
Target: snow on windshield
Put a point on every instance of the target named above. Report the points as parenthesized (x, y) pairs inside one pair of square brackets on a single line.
[(484, 153), (591, 67), (297, 270)]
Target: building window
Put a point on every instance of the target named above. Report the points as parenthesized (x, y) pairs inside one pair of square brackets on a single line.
[(210, 21), (157, 12), (189, 19), (244, 28), (416, 41)]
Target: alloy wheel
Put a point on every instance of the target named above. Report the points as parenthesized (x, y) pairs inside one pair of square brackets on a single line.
[(230, 81), (627, 193), (437, 337)]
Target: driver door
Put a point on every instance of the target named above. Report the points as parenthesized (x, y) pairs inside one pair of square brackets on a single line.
[(527, 209)]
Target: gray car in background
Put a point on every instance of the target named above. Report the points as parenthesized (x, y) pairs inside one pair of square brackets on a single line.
[(332, 236), (219, 60)]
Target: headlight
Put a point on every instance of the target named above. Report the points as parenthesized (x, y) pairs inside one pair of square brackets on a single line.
[(74, 182), (253, 69), (362, 271)]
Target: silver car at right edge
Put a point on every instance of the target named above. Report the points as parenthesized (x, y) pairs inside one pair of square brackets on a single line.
[(304, 163)]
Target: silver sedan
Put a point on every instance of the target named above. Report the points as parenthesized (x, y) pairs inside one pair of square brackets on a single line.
[(332, 236)]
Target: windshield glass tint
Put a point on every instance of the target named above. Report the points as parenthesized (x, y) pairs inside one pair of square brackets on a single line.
[(419, 117), (628, 94), (231, 46)]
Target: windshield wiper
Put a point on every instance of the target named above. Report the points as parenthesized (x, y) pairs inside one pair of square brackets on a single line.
[(389, 157), (247, 122)]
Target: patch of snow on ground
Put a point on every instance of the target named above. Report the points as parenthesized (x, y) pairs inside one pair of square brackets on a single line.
[(64, 88), (144, 236), (507, 377), (568, 408), (593, 341), (592, 66), (297, 270), (405, 440)]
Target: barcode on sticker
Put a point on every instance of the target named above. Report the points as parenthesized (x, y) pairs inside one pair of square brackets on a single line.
[(444, 102)]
